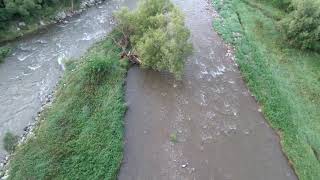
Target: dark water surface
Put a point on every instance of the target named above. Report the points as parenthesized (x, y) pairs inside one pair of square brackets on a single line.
[(221, 134)]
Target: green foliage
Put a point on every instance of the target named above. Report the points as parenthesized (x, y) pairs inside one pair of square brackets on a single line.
[(81, 135), (10, 141), (282, 4), (302, 26), (157, 35), (29, 11), (4, 52), (21, 7), (98, 68), (283, 79), (173, 137)]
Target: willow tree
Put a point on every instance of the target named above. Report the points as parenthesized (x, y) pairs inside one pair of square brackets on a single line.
[(154, 36)]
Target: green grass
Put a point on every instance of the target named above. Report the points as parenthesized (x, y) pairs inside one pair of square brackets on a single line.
[(285, 81), (80, 136)]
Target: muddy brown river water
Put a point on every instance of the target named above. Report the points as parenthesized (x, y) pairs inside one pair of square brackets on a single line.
[(219, 132), (205, 127)]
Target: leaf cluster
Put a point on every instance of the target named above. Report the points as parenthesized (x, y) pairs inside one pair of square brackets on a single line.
[(157, 34)]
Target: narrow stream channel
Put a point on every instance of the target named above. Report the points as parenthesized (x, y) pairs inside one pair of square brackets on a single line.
[(34, 68)]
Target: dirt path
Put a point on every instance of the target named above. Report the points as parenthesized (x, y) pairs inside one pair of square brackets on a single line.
[(219, 130)]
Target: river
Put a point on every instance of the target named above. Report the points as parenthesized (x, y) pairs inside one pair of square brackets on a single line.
[(219, 130), (205, 127), (31, 73)]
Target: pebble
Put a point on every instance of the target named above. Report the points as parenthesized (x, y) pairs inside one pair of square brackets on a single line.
[(184, 165), (246, 131)]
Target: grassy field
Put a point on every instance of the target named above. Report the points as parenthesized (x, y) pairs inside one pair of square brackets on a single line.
[(285, 81), (81, 134)]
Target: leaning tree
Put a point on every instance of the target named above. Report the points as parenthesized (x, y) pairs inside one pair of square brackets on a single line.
[(154, 36)]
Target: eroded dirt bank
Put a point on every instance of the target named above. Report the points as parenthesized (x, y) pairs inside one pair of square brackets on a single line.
[(219, 130)]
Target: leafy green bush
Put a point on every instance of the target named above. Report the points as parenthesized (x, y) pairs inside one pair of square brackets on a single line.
[(301, 27), (156, 34), (98, 67), (280, 4), (25, 10), (10, 142), (4, 52)]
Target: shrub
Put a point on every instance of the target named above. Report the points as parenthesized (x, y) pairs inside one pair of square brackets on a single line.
[(156, 34), (4, 52), (97, 68), (301, 27), (282, 4), (10, 142)]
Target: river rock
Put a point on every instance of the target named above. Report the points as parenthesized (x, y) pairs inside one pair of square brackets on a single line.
[(61, 15), (42, 23), (92, 1), (21, 24), (83, 5)]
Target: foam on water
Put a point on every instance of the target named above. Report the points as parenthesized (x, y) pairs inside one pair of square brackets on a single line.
[(33, 68)]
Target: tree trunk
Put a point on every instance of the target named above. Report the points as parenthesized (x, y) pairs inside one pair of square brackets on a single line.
[(72, 5)]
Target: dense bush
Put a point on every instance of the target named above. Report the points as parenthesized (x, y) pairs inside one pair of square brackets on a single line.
[(157, 35), (23, 10), (282, 4), (4, 52), (301, 27)]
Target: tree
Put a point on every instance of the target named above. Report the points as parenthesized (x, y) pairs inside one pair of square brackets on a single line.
[(154, 36), (302, 26)]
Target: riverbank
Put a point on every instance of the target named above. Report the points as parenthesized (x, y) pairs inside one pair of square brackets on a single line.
[(284, 80), (80, 134), (51, 15)]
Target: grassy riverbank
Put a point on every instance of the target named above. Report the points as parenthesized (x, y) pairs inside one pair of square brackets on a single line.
[(81, 134), (284, 80)]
